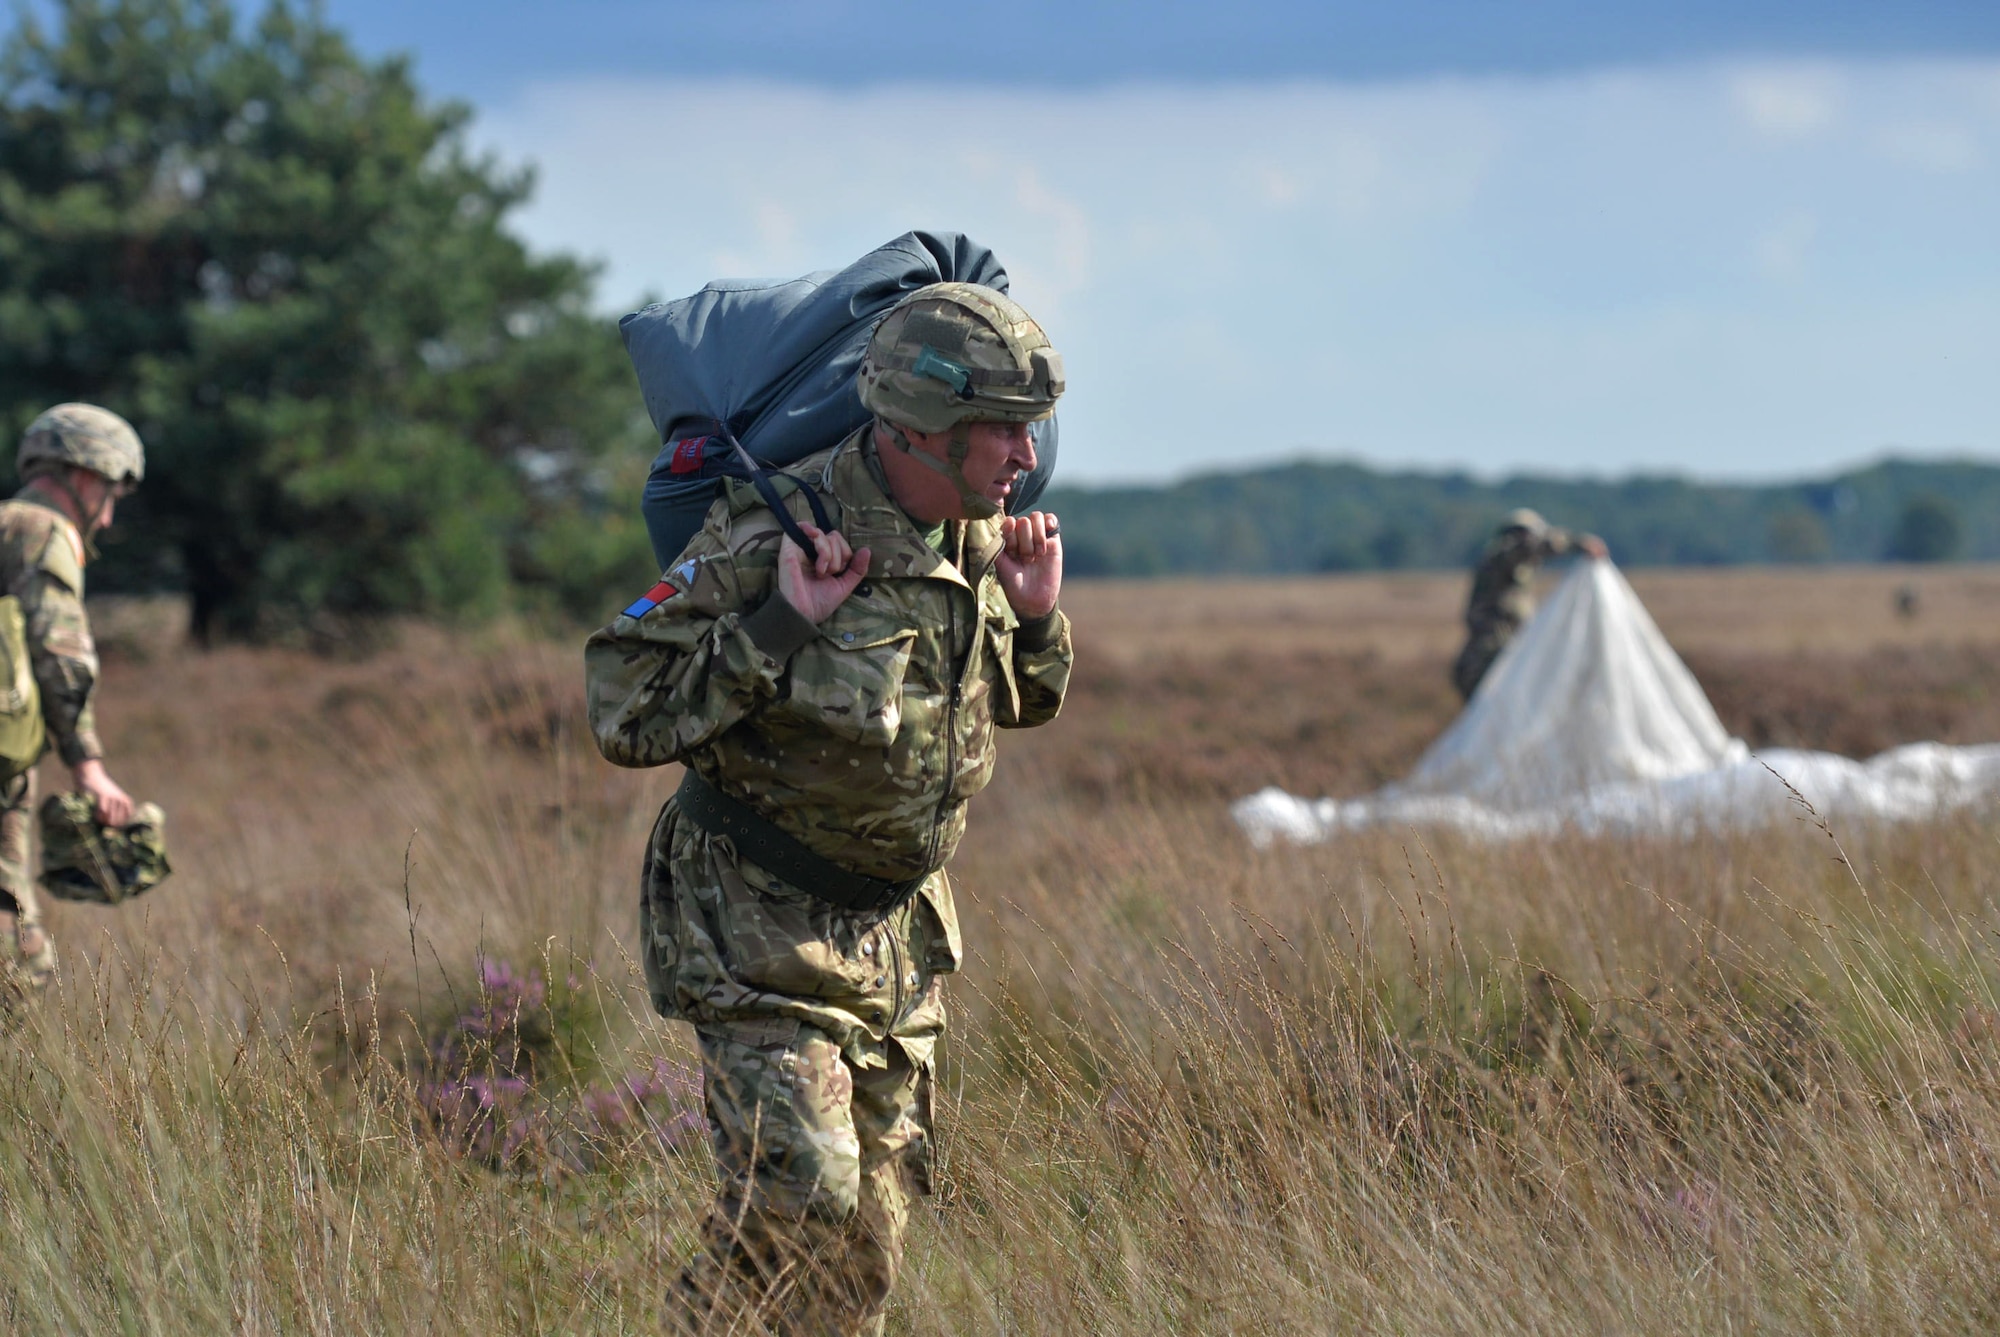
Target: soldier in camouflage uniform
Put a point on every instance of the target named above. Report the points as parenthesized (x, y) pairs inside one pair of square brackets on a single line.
[(76, 461), (1503, 586), (835, 713)]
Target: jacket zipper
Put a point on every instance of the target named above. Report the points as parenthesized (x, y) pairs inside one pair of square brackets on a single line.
[(950, 725), (895, 953)]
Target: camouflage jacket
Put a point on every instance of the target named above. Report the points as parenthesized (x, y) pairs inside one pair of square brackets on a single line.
[(862, 737), (1503, 584), (41, 564)]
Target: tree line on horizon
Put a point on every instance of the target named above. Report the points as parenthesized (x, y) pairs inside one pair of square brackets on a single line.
[(1333, 516)]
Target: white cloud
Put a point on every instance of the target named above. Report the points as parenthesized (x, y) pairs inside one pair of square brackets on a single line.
[(1068, 236), (1932, 146), (1736, 269), (1279, 186), (1787, 102)]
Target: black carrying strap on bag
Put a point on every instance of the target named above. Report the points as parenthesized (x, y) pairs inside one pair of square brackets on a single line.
[(760, 478), (763, 844)]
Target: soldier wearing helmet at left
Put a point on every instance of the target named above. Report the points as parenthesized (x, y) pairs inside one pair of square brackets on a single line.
[(836, 712), (75, 461), (1503, 589)]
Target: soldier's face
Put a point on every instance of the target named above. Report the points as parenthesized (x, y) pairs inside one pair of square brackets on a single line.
[(1001, 452), (99, 496), (998, 454)]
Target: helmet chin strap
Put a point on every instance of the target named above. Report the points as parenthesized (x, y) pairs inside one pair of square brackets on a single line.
[(89, 526), (976, 506)]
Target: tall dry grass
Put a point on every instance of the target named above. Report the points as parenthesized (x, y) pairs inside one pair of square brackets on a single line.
[(1400, 1082)]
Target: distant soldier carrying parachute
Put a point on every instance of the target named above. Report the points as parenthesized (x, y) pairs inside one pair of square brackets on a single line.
[(1503, 589), (831, 672), (76, 461)]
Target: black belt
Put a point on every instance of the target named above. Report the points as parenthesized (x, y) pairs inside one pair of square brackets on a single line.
[(761, 842)]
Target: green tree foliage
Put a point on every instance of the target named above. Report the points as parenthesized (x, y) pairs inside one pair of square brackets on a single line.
[(1927, 531), (1348, 517), (1798, 535), (359, 392)]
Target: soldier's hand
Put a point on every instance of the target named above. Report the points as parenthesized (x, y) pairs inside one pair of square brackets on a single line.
[(1030, 563), (1593, 546), (816, 589), (114, 805)]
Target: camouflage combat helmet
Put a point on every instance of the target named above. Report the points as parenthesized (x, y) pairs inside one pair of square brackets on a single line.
[(86, 436), (952, 354), (84, 860), (1531, 521)]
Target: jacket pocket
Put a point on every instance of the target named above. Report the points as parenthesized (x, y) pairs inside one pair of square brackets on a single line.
[(849, 680), (1000, 648), (659, 916), (936, 911)]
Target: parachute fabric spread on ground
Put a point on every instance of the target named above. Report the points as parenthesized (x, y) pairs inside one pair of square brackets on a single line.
[(1589, 720)]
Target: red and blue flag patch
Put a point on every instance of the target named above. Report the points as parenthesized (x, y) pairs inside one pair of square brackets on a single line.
[(661, 592), (650, 600)]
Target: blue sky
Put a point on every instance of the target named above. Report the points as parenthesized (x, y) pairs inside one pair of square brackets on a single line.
[(1742, 240), (492, 48)]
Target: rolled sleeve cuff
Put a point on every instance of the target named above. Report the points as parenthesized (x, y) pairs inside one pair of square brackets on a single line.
[(1042, 633), (79, 748), (778, 629)]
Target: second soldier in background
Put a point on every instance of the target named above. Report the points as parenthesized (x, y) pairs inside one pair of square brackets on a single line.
[(1503, 589), (76, 461)]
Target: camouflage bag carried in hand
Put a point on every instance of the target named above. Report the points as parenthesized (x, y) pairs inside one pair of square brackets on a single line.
[(85, 860)]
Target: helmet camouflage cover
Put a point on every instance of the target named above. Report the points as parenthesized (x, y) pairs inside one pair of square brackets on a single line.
[(1526, 519), (952, 354), (86, 436), (84, 860)]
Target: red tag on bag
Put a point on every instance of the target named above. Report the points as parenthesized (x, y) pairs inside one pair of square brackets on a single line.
[(687, 454)]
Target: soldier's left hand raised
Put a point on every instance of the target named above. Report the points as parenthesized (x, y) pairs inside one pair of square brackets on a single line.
[(1030, 563)]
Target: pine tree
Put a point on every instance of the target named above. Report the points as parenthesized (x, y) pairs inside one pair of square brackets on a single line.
[(360, 393)]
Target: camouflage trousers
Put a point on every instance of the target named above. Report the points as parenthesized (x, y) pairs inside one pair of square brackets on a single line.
[(1482, 646), (31, 958), (817, 1029)]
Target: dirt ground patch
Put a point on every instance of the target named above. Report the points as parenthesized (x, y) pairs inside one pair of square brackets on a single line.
[(1415, 615)]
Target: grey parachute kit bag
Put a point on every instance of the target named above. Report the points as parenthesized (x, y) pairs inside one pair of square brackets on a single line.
[(754, 374)]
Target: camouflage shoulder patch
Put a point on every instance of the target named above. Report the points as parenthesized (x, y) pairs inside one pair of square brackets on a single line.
[(60, 560), (61, 554)]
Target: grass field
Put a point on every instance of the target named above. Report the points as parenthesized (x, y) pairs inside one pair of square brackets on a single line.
[(1400, 1082)]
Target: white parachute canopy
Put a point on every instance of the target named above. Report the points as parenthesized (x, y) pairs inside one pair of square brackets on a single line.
[(1589, 719), (1589, 693)]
